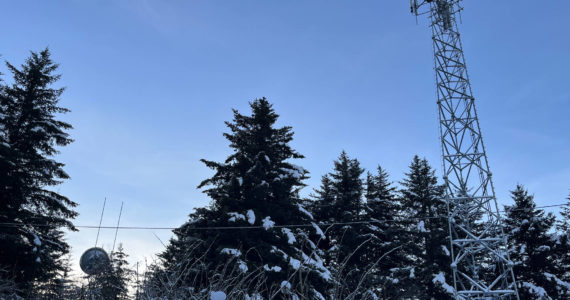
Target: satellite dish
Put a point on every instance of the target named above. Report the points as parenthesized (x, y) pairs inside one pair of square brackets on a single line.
[(94, 261)]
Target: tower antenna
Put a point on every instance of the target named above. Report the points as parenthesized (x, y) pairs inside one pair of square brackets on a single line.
[(100, 220), (117, 228), (482, 268)]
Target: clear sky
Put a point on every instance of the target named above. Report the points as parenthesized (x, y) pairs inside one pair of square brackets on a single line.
[(150, 83)]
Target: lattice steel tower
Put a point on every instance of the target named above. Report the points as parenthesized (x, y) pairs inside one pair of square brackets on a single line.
[(480, 263)]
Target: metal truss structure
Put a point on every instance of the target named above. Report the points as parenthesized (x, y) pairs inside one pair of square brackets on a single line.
[(480, 263)]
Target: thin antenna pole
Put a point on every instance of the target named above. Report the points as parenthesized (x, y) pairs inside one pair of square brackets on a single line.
[(117, 229), (100, 221)]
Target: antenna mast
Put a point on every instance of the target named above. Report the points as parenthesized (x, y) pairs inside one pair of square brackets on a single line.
[(480, 263)]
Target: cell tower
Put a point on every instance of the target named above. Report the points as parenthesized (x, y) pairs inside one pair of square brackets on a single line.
[(480, 263)]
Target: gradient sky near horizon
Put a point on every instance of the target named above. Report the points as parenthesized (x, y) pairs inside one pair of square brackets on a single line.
[(150, 84)]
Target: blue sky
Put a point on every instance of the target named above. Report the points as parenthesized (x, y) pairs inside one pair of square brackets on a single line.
[(150, 84)]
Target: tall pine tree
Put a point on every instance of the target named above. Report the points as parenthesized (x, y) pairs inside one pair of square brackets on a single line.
[(256, 186), (424, 213), (33, 248), (339, 202), (384, 251), (531, 248), (113, 283)]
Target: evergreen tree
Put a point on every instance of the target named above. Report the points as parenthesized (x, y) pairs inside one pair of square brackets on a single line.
[(563, 242), (384, 252), (32, 249), (256, 185), (113, 284), (423, 213), (531, 248), (339, 200), (60, 287)]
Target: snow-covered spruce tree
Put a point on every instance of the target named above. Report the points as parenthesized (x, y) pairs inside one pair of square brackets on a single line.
[(531, 248), (256, 186), (384, 251), (339, 200), (423, 214), (33, 248)]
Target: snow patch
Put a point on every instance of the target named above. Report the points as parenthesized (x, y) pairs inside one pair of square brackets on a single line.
[(318, 230), (560, 282), (234, 216), (250, 217), (242, 266), (290, 237), (445, 250), (536, 290), (317, 262), (231, 251), (439, 278), (217, 295), (295, 263), (267, 223), (285, 284), (279, 251), (272, 269), (319, 295), (253, 297), (306, 212), (37, 241), (421, 226), (296, 172), (412, 273)]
